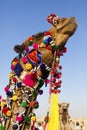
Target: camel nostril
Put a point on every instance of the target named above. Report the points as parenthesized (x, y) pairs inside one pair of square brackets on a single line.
[(64, 109)]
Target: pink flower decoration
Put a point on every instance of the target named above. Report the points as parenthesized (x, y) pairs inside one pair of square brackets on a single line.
[(28, 81), (35, 45)]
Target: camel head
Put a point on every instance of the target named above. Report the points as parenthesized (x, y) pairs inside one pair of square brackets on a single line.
[(60, 34)]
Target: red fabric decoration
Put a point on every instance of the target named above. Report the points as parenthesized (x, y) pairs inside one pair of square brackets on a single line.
[(33, 56)]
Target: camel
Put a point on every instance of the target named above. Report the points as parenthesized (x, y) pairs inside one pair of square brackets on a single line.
[(30, 68), (64, 116)]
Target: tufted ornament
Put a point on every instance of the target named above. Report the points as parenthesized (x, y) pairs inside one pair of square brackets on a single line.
[(4, 110), (14, 98), (23, 103), (19, 84), (9, 94), (24, 59), (35, 93), (18, 69), (36, 105), (40, 92), (0, 97), (31, 104), (12, 67), (35, 45), (27, 119), (28, 81), (19, 118), (27, 49), (14, 63), (30, 43), (6, 88), (3, 104), (11, 75), (33, 118), (8, 113), (28, 66)]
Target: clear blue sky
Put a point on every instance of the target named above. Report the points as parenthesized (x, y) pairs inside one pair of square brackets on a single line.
[(22, 18)]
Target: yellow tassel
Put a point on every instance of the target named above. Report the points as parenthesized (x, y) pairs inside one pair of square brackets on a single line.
[(53, 123)]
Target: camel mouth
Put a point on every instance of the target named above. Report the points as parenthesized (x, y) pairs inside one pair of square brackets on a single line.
[(66, 22)]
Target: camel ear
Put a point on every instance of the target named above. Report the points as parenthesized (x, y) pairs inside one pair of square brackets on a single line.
[(68, 104), (59, 105), (18, 48)]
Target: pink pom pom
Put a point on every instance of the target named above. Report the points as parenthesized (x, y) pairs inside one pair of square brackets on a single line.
[(64, 50), (28, 81), (27, 49), (35, 45), (12, 67), (47, 81), (0, 97), (24, 59), (6, 88), (19, 118)]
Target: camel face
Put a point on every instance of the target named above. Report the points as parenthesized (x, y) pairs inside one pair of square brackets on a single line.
[(64, 30)]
